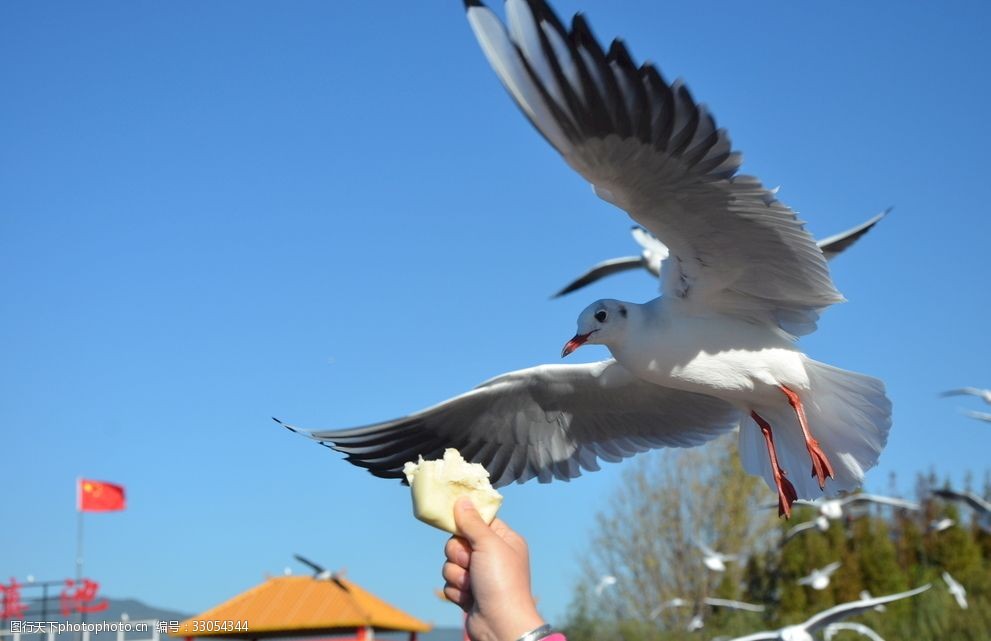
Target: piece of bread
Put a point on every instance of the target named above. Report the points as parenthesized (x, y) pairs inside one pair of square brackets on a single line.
[(437, 485)]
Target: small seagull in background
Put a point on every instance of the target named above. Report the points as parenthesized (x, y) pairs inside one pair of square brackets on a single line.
[(715, 561), (957, 590), (819, 579), (938, 525), (859, 628), (676, 602), (820, 523), (606, 581), (981, 416), (653, 252), (984, 394), (733, 605), (982, 508), (803, 631), (864, 595), (832, 509), (697, 623)]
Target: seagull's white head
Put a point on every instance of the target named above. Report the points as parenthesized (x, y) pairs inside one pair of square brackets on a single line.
[(603, 322)]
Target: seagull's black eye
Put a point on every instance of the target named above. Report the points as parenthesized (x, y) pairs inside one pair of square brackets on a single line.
[(600, 315)]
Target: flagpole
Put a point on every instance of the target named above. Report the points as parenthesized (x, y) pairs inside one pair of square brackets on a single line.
[(79, 531)]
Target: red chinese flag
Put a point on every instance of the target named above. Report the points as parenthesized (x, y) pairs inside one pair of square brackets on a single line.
[(98, 496)]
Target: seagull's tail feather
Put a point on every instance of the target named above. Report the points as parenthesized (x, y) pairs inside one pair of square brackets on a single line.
[(848, 413)]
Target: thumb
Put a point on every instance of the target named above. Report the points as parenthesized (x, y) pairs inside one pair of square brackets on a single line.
[(469, 521)]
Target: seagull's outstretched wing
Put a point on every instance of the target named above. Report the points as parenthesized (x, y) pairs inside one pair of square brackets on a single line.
[(832, 246), (603, 269), (981, 416), (859, 628), (975, 502), (964, 391), (766, 635), (551, 421), (853, 608), (798, 529), (883, 500), (650, 149), (735, 605)]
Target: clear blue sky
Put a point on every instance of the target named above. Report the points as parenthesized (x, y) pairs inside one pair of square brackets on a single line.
[(330, 212)]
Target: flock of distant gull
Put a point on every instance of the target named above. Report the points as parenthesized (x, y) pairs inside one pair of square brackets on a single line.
[(741, 279), (829, 621)]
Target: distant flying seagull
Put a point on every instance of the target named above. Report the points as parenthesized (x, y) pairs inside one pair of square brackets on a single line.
[(715, 561), (320, 573), (804, 631), (743, 279), (859, 628), (696, 623), (818, 579), (733, 605), (833, 509), (957, 590), (676, 602), (820, 523), (938, 525), (653, 252), (984, 394), (982, 508), (606, 581)]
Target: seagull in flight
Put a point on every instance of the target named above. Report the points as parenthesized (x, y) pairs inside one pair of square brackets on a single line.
[(819, 578), (733, 605), (859, 628), (983, 394), (743, 280), (606, 581), (957, 590), (939, 525), (803, 631), (653, 252), (715, 561), (833, 510), (982, 508)]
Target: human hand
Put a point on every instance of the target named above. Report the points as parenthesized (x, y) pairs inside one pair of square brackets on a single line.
[(487, 573)]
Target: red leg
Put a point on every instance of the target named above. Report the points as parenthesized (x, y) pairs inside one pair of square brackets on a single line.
[(786, 491), (821, 467)]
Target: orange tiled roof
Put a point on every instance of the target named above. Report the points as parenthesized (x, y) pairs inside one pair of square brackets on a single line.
[(297, 605)]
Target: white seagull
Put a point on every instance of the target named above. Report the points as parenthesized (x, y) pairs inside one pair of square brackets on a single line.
[(982, 508), (743, 279), (859, 628), (983, 394), (653, 252), (833, 509), (819, 578), (803, 631), (820, 523), (715, 561), (864, 594), (733, 605), (939, 525), (605, 581), (676, 602), (957, 590)]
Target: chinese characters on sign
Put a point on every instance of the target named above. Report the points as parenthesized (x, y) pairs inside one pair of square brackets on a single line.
[(79, 597)]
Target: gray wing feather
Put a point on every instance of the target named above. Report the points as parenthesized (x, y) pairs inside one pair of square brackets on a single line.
[(834, 245), (547, 422), (648, 147), (603, 269)]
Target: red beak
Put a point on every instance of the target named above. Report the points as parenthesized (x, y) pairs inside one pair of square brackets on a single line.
[(575, 343)]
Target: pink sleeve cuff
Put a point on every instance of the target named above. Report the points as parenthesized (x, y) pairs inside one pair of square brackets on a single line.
[(557, 636)]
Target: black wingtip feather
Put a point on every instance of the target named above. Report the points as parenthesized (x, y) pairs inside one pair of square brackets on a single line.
[(286, 425), (472, 3)]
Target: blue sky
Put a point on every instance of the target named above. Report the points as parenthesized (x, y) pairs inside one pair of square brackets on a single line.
[(213, 213)]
